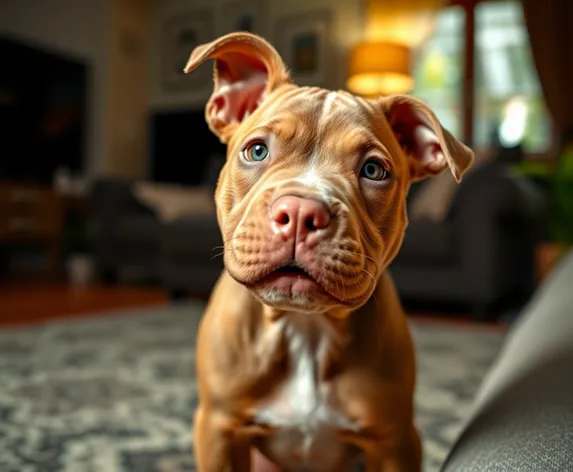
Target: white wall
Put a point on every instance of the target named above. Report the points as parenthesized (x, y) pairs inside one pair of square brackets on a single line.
[(348, 26), (77, 28)]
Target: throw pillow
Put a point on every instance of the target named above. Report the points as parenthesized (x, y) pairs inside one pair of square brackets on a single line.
[(434, 200), (171, 202)]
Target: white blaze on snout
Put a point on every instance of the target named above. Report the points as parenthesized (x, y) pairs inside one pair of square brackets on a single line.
[(312, 180), (335, 102), (309, 178)]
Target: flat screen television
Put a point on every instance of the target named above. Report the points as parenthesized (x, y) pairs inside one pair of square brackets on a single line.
[(181, 145), (43, 105)]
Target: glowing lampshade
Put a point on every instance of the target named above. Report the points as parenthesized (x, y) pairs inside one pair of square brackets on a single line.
[(379, 68)]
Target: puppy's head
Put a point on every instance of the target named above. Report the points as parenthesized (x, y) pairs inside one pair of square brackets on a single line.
[(311, 201)]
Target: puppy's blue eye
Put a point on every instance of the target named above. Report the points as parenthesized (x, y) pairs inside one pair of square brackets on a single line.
[(373, 170), (257, 152)]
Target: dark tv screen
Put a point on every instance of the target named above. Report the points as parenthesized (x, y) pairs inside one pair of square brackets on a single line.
[(43, 105), (181, 145)]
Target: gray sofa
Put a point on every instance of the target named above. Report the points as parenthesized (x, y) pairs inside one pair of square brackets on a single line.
[(522, 419), (124, 233), (190, 263), (127, 236), (482, 252), (192, 259)]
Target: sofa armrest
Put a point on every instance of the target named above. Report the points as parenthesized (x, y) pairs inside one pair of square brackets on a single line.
[(522, 418), (110, 201), (494, 189), (496, 216)]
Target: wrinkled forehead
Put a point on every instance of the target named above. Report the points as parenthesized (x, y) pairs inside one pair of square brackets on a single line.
[(320, 103), (315, 116)]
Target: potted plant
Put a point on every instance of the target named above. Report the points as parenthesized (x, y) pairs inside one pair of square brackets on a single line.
[(556, 178), (561, 218), (563, 193)]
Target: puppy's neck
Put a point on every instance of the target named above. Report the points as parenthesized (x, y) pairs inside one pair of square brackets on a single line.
[(325, 337), (338, 315), (334, 323)]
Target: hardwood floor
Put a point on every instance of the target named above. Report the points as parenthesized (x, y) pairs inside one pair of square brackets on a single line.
[(28, 303), (22, 303)]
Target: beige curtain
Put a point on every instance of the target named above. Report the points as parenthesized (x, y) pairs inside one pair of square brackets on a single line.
[(550, 27)]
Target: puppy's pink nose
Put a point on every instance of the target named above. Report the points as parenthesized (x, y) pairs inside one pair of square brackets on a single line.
[(296, 217)]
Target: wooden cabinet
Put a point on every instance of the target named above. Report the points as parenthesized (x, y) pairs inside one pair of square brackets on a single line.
[(32, 214)]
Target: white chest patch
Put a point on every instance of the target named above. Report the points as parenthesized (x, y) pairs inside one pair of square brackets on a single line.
[(301, 408)]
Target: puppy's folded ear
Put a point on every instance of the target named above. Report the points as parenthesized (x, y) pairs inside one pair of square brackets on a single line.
[(429, 147), (247, 70)]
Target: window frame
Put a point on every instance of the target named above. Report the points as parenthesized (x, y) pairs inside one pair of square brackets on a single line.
[(467, 92)]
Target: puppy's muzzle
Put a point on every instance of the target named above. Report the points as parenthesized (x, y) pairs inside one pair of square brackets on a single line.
[(294, 244)]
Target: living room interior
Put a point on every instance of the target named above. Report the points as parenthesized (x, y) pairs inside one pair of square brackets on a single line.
[(110, 245)]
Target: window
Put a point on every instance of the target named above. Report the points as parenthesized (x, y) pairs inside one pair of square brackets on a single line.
[(438, 69), (507, 101)]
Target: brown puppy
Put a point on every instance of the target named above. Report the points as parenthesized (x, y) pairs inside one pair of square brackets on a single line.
[(304, 352)]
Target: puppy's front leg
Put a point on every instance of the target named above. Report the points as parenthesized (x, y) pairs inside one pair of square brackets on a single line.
[(404, 456), (217, 448)]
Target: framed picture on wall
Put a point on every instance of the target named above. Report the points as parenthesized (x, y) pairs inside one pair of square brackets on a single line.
[(181, 34), (305, 43), (244, 15)]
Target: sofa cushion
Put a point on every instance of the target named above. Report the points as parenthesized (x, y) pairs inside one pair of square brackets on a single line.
[(192, 238), (138, 229), (435, 199), (171, 202), (427, 242)]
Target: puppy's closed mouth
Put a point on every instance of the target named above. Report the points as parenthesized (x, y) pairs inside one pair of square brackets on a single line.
[(288, 275), (293, 279), (290, 269)]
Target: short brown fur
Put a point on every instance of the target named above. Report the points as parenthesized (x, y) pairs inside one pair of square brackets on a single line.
[(368, 362)]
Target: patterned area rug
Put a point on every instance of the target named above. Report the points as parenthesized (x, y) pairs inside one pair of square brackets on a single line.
[(116, 393)]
